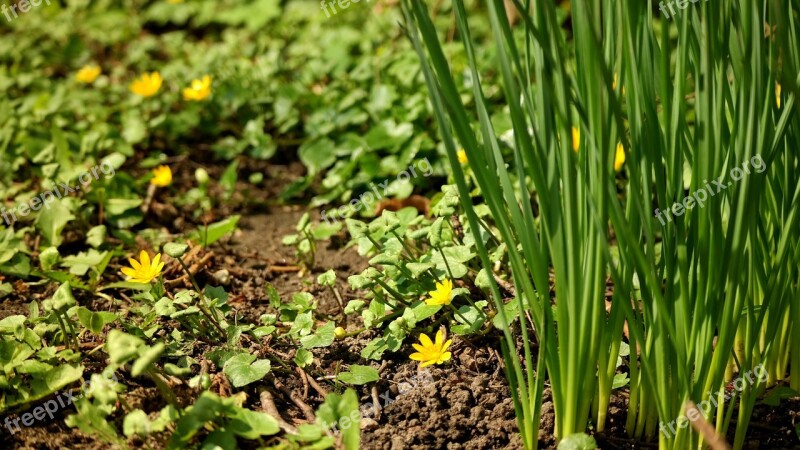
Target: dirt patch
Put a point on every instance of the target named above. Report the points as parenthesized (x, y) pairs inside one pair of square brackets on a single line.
[(467, 405), (461, 409)]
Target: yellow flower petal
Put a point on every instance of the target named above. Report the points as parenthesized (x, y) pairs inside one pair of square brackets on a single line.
[(426, 341), (147, 85), (144, 270), (162, 176), (88, 74), (447, 344), (432, 352), (619, 157), (144, 258), (441, 295), (199, 89), (439, 338), (576, 139)]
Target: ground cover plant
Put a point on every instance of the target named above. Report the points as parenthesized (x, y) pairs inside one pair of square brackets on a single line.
[(399, 224)]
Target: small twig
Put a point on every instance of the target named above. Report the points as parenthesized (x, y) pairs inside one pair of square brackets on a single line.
[(701, 425), (268, 406), (383, 366), (508, 287), (314, 383), (284, 268), (151, 190), (304, 377), (376, 402), (307, 410), (205, 366), (338, 298), (193, 270)]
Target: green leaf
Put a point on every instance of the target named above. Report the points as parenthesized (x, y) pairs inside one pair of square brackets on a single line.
[(578, 441), (96, 236), (48, 258), (81, 263), (341, 411), (134, 129), (219, 439), (327, 279), (148, 356), (175, 250), (779, 393), (322, 337), (229, 177), (354, 306), (358, 375), (418, 269), (215, 231), (136, 422), (61, 299), (204, 410), (423, 310), (243, 369), (95, 321), (10, 323), (469, 318), (122, 347), (435, 232), (357, 228), (251, 424), (620, 379), (51, 221), (303, 357), (317, 155)]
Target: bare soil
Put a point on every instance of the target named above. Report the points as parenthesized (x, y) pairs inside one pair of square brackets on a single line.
[(468, 405)]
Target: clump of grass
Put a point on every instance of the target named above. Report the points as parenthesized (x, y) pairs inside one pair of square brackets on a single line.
[(705, 294)]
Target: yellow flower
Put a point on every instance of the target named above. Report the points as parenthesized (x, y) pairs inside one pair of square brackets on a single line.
[(147, 85), (462, 156), (440, 296), (431, 352), (162, 176), (143, 271), (778, 94), (619, 157), (88, 74), (175, 1), (576, 139), (199, 90)]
